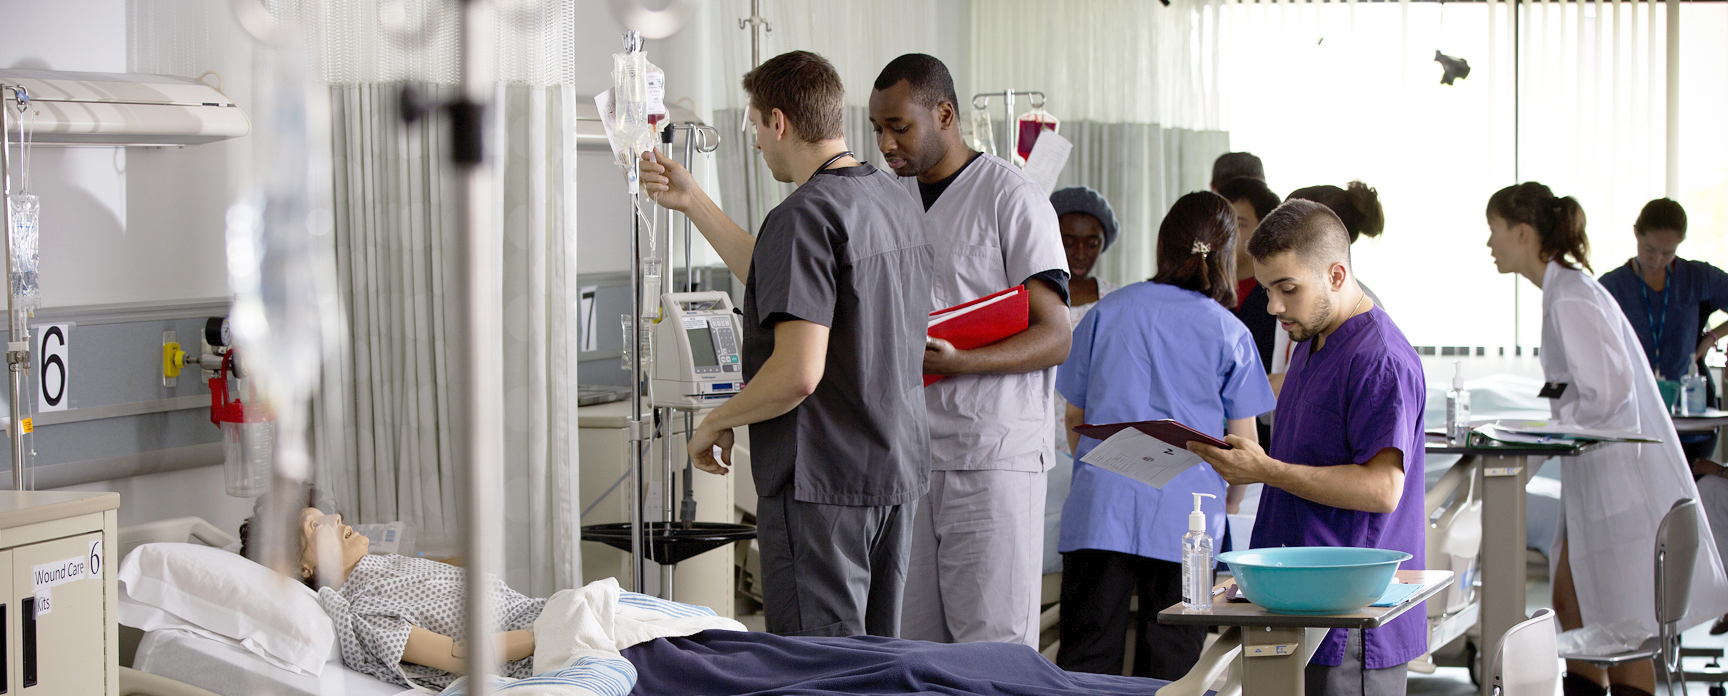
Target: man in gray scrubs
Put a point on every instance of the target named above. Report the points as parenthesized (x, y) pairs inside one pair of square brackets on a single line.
[(837, 291), (977, 546)]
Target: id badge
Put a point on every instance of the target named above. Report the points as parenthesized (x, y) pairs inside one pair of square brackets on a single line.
[(1552, 390)]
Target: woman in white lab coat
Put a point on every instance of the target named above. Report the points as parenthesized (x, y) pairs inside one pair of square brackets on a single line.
[(1613, 497)]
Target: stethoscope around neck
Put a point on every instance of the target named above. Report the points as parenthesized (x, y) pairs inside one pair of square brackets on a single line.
[(832, 160)]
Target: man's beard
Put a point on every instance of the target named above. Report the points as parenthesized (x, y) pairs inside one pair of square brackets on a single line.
[(1305, 330)]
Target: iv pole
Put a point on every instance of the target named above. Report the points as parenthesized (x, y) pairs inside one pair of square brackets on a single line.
[(756, 24), (17, 335), (709, 138), (482, 273), (639, 440), (1011, 130)]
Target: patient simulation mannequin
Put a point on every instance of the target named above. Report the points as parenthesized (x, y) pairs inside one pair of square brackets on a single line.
[(396, 616)]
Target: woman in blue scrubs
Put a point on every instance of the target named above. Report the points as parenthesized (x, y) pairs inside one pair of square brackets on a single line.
[(1668, 300), (1165, 348)]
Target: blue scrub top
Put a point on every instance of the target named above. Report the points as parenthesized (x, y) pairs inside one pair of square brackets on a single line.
[(1691, 285), (1145, 352)]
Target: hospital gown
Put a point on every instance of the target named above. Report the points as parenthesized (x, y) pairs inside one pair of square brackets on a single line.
[(387, 595)]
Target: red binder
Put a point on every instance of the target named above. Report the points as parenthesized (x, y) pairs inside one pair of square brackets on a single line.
[(981, 322), (1165, 430)]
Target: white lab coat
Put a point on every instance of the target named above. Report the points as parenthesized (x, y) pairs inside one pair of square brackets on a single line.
[(1614, 497)]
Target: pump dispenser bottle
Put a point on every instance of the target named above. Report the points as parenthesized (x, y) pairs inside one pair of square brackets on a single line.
[(1457, 408), (1693, 390), (1197, 563)]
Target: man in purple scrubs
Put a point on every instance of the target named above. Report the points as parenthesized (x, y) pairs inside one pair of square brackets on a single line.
[(1349, 427)]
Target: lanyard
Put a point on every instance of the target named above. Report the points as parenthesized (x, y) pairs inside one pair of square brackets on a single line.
[(1656, 327), (848, 153)]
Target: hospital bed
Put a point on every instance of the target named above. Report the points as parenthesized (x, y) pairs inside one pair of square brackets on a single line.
[(181, 663), (172, 662)]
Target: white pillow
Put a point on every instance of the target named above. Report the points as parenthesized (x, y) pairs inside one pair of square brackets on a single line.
[(223, 593)]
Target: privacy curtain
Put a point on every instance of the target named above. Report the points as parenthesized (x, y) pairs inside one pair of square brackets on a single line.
[(398, 454), (1136, 87)]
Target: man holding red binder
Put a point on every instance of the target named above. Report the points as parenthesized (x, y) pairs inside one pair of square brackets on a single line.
[(977, 545), (836, 295)]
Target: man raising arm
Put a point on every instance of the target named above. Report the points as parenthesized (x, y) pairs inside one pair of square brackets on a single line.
[(835, 299)]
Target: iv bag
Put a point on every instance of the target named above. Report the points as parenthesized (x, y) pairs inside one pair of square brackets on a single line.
[(26, 210), (983, 139), (1030, 124), (632, 133)]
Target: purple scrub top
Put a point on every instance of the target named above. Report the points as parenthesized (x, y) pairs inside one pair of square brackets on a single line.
[(1360, 394)]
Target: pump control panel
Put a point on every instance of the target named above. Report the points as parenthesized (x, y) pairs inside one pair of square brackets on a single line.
[(698, 363)]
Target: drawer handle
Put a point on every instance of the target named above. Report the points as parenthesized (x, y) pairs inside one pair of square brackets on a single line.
[(29, 638)]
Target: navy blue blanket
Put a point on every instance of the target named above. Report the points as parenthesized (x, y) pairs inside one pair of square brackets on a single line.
[(731, 662)]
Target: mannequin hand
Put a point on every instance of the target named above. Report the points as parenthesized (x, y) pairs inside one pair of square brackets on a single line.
[(667, 182), (702, 444)]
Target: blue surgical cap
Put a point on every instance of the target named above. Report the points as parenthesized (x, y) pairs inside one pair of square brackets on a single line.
[(1079, 199)]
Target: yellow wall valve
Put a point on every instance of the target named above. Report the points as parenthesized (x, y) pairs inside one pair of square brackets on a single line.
[(173, 358)]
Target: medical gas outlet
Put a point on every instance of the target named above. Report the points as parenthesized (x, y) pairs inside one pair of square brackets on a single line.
[(698, 364)]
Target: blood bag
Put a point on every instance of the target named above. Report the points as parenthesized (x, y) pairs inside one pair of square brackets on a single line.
[(1031, 124)]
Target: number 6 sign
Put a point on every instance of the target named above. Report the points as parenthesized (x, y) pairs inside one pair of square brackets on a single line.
[(53, 357)]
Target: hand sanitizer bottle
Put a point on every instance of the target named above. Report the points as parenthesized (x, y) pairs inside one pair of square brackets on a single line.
[(1197, 560), (1457, 408), (1692, 392)]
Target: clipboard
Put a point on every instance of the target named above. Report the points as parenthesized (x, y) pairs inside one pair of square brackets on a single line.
[(1166, 430)]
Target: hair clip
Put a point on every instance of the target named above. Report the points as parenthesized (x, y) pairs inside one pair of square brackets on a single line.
[(1201, 248)]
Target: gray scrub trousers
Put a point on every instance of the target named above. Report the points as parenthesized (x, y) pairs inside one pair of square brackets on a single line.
[(822, 563)]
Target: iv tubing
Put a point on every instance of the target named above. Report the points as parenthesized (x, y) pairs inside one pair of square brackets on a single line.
[(18, 351)]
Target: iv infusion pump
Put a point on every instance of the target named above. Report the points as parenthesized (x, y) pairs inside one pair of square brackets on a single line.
[(697, 363)]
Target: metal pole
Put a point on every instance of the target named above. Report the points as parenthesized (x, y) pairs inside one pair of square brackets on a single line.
[(483, 274), (1671, 185), (756, 24), (688, 513), (638, 556), (18, 342), (1011, 130)]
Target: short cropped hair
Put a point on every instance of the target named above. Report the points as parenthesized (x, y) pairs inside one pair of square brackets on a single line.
[(1306, 228), (806, 88), (929, 79), (1234, 164), (1252, 190), (1661, 214)]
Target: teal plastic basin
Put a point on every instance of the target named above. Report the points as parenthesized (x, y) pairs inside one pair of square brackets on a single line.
[(1313, 579)]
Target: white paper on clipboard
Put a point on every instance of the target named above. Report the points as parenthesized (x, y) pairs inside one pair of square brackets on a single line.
[(1049, 156), (1141, 457)]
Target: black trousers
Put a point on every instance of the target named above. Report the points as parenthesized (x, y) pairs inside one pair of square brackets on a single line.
[(1096, 589)]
